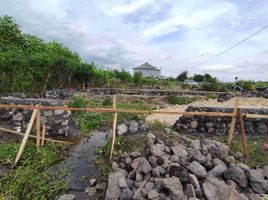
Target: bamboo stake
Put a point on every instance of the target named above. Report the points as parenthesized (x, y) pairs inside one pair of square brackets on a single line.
[(26, 136), (43, 135), (114, 127), (34, 137), (233, 122), (243, 135), (38, 128)]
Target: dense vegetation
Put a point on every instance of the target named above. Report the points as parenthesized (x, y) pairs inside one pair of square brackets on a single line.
[(32, 179), (30, 64)]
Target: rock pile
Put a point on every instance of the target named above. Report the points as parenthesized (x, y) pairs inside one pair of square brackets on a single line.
[(200, 169), (129, 127), (220, 125), (58, 94), (58, 122)]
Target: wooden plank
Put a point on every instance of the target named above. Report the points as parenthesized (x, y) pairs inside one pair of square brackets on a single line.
[(114, 127), (43, 135), (26, 136), (243, 135), (38, 128), (34, 137), (233, 122)]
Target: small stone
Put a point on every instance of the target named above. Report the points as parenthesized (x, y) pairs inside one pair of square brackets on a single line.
[(257, 181), (133, 127), (236, 174), (67, 197), (215, 189), (197, 169), (179, 151), (135, 154), (58, 112), (48, 113), (65, 122), (174, 187), (67, 115), (138, 177), (194, 124), (153, 194), (115, 166), (144, 166), (218, 170), (122, 129), (18, 117), (190, 191), (93, 182), (194, 181), (157, 150)]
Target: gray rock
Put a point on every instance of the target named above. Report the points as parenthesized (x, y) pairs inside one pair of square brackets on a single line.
[(217, 161), (151, 138), (194, 124), (137, 194), (153, 194), (122, 129), (18, 117), (153, 161), (190, 191), (195, 154), (113, 190), (136, 163), (215, 189), (197, 169), (179, 171), (67, 114), (194, 181), (218, 170), (48, 113), (157, 150), (220, 151), (126, 194), (179, 151), (93, 182), (65, 122), (67, 197), (144, 166), (257, 181), (58, 112), (173, 185), (133, 127), (236, 174), (233, 194), (138, 177), (115, 166), (122, 182), (135, 154)]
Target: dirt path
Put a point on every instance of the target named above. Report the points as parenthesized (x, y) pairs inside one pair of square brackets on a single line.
[(171, 119)]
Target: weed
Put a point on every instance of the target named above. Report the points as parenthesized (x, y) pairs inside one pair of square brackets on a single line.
[(181, 100), (32, 179), (211, 96)]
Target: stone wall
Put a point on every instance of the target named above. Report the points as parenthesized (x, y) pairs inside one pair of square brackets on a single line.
[(221, 125), (58, 122)]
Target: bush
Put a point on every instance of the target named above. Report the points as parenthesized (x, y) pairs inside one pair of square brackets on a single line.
[(181, 100)]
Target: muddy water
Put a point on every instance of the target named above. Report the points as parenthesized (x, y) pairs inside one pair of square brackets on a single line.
[(80, 164)]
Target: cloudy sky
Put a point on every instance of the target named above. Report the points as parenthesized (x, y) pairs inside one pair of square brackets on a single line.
[(175, 35)]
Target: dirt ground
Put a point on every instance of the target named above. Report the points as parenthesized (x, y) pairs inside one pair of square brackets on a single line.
[(171, 119)]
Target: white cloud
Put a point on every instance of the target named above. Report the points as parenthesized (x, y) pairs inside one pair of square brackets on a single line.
[(130, 7), (221, 68)]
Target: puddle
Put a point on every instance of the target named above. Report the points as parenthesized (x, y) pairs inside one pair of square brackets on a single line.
[(81, 166)]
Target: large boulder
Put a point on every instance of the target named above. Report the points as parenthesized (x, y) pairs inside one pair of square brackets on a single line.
[(113, 190), (236, 174)]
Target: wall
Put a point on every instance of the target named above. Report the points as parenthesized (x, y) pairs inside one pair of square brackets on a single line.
[(221, 125), (58, 122), (148, 72)]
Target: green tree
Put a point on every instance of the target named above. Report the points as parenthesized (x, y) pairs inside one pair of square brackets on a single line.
[(182, 76)]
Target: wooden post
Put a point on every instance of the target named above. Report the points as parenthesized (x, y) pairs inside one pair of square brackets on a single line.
[(233, 122), (43, 135), (26, 136), (38, 129), (114, 127), (243, 134)]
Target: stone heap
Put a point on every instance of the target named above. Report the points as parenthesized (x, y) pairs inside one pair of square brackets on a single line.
[(199, 169), (220, 125), (58, 94), (58, 122)]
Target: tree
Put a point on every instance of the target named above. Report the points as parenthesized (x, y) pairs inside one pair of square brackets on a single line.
[(198, 78), (137, 78), (182, 76)]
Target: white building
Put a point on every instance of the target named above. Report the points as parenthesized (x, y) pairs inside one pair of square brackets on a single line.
[(148, 70)]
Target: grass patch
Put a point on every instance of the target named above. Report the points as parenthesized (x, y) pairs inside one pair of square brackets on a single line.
[(257, 155), (181, 100), (90, 121), (32, 179), (211, 96)]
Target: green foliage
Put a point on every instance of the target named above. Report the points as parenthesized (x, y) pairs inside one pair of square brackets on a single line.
[(182, 76), (32, 179), (245, 84), (181, 100), (211, 96), (216, 86), (89, 121)]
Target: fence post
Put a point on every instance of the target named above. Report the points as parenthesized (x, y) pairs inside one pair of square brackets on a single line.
[(43, 135), (114, 127), (243, 134), (231, 132), (38, 128)]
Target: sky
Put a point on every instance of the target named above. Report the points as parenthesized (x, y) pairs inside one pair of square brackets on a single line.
[(174, 35)]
